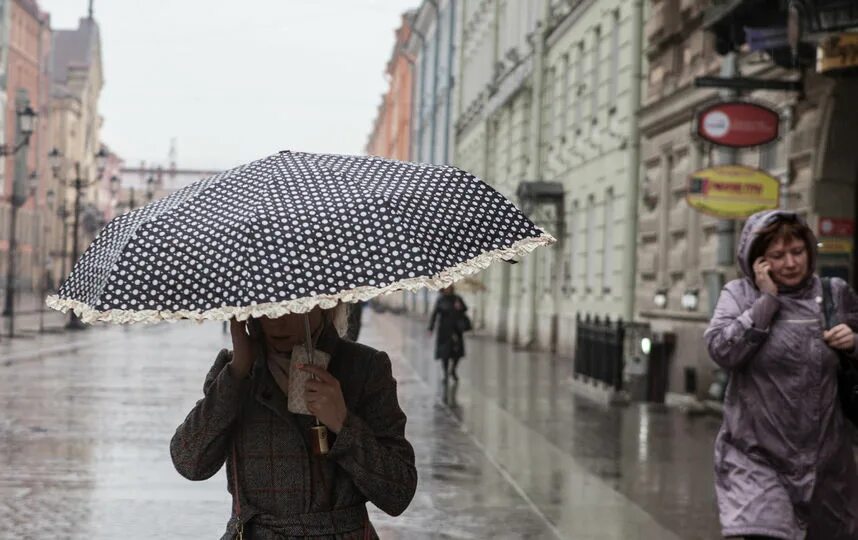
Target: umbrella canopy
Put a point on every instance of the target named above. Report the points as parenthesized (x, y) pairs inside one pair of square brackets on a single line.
[(290, 232)]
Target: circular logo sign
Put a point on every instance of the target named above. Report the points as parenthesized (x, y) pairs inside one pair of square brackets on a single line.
[(716, 124), (737, 124)]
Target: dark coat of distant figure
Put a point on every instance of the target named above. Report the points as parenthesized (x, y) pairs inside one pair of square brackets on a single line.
[(449, 342)]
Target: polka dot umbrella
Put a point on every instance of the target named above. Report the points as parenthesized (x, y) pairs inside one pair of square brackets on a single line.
[(292, 231)]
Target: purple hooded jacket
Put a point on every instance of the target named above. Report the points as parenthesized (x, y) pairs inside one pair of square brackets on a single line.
[(784, 464)]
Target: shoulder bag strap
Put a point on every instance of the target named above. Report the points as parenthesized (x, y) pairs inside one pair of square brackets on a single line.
[(236, 503), (829, 310)]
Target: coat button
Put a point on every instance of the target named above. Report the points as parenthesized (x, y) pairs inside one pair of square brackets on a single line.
[(818, 299)]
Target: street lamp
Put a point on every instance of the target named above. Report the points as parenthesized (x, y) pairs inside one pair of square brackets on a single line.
[(150, 188), (131, 203), (115, 186), (660, 298), (55, 157), (56, 160), (79, 185), (690, 299), (101, 160), (20, 193)]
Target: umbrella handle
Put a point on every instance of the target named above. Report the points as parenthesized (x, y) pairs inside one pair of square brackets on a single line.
[(318, 433)]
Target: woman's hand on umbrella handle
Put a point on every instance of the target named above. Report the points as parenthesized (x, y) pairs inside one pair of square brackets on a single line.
[(242, 349), (324, 398), (840, 337)]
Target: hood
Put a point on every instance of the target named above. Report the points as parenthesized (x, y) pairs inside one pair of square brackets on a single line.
[(759, 221)]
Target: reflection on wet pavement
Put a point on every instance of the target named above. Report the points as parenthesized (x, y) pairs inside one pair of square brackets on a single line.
[(507, 453), (589, 470)]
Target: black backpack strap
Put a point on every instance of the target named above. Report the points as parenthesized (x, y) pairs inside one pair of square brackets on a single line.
[(829, 309)]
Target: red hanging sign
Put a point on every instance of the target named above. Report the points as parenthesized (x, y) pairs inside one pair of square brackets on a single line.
[(738, 124)]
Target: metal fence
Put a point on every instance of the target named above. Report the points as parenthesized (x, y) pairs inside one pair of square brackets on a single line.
[(599, 349)]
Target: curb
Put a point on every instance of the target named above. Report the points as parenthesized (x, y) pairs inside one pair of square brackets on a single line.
[(598, 391)]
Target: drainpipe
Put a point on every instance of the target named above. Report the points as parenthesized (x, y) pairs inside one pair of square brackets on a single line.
[(411, 62), (726, 228), (415, 103), (450, 54), (787, 114), (630, 231), (416, 120), (436, 60), (535, 165)]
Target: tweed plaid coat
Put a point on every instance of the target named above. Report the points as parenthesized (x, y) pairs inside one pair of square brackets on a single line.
[(284, 491)]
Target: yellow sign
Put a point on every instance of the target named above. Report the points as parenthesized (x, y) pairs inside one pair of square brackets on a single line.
[(837, 53), (732, 191), (835, 245)]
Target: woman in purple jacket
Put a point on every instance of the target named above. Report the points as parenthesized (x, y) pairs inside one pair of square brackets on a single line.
[(784, 463)]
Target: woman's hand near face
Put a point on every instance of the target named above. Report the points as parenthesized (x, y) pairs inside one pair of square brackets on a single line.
[(840, 337), (763, 277), (242, 350), (325, 398)]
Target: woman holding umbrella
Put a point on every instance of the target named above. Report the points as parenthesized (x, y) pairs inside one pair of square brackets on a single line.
[(284, 242), (450, 315), (280, 487)]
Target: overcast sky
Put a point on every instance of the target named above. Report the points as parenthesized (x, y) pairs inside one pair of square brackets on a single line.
[(233, 81)]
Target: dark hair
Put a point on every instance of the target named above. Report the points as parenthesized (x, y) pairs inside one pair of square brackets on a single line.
[(782, 229)]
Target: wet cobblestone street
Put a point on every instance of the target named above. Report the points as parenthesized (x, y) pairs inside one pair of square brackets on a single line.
[(509, 452)]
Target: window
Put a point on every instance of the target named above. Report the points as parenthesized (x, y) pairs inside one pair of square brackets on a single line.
[(608, 240), (615, 61), (579, 86), (548, 269), (573, 237), (564, 94), (597, 53), (591, 242), (550, 93)]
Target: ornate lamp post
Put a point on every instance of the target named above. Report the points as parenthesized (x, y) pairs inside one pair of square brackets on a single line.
[(79, 185), (56, 160), (26, 125), (131, 203)]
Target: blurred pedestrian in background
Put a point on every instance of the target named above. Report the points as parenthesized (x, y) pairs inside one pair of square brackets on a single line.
[(452, 321)]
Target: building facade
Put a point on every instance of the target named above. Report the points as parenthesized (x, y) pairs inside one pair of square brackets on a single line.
[(76, 124), (590, 152), (391, 133), (683, 253), (548, 99), (27, 78), (432, 45), (496, 133)]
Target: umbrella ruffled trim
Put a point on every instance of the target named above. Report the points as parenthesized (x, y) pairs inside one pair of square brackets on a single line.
[(88, 314)]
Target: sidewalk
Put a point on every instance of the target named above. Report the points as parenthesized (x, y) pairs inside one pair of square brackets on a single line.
[(32, 317), (592, 471)]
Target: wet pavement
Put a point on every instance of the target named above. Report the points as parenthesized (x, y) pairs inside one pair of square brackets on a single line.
[(509, 452)]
